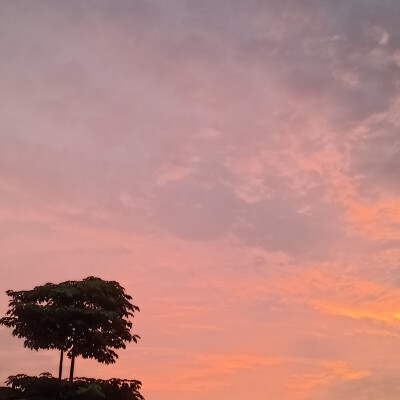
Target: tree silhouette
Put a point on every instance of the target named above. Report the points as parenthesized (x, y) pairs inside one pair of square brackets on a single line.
[(87, 318)]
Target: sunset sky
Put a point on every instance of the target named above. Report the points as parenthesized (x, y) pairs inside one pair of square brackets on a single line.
[(234, 164)]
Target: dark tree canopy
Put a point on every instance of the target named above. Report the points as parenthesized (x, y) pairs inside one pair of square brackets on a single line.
[(88, 318)]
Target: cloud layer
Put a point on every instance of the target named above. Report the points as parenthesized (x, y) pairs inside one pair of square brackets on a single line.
[(233, 164)]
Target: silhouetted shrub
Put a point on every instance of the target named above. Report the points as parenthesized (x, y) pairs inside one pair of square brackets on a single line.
[(7, 393), (46, 387)]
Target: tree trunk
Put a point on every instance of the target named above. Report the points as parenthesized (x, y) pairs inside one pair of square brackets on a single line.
[(61, 364), (71, 372)]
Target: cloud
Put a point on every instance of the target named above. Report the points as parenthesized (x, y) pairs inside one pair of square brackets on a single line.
[(331, 371), (374, 386), (234, 164)]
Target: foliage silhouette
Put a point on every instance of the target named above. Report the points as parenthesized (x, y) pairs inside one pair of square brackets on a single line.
[(45, 387), (87, 318)]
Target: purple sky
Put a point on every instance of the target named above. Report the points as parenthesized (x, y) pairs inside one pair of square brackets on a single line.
[(235, 165)]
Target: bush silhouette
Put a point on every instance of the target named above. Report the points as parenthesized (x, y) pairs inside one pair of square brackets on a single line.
[(46, 387)]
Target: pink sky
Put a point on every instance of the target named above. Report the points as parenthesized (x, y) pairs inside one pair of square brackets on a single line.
[(233, 164)]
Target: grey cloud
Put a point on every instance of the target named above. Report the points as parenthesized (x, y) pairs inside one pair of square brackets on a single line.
[(196, 210), (376, 386), (376, 158), (120, 86), (279, 225), (333, 43)]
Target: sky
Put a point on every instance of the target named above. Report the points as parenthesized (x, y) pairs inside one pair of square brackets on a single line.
[(234, 164)]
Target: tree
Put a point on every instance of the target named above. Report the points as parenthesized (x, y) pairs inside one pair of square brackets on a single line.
[(88, 318), (39, 322)]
